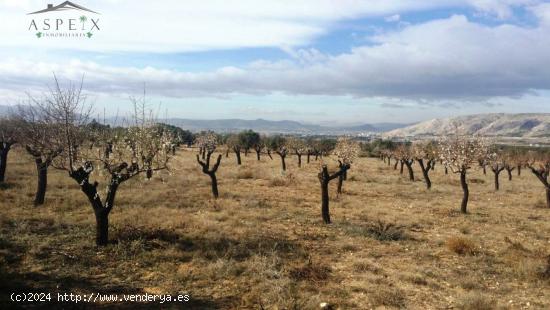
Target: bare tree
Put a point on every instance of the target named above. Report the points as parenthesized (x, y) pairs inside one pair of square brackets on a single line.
[(298, 147), (539, 164), (405, 155), (209, 142), (8, 137), (459, 152), (140, 148), (324, 179), (482, 161), (513, 159), (259, 146), (279, 145), (425, 154), (43, 129), (234, 143), (497, 163), (346, 150)]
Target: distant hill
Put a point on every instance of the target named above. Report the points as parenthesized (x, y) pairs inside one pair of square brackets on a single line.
[(267, 126), (527, 125), (259, 125)]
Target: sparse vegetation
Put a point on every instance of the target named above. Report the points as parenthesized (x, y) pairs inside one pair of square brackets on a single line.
[(260, 244)]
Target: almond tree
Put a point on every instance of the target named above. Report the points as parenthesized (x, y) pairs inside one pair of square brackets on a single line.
[(346, 150), (40, 129), (140, 148), (458, 153), (482, 161), (512, 160), (310, 148), (259, 146), (209, 142), (235, 144), (425, 154), (8, 133), (539, 164), (386, 154), (497, 164), (278, 145), (405, 155), (522, 159), (298, 147)]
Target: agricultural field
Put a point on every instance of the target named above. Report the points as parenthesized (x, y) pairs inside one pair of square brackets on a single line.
[(263, 244)]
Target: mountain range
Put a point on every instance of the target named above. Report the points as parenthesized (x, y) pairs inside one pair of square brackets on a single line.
[(525, 125), (284, 126)]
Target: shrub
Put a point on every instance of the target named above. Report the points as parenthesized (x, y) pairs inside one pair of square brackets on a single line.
[(389, 297), (385, 231), (461, 246), (245, 174), (310, 272), (284, 180), (476, 301)]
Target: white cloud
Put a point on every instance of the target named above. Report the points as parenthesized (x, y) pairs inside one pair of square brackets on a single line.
[(193, 25), (393, 18), (452, 58), (447, 59)]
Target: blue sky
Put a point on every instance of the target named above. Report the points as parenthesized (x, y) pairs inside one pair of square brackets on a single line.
[(314, 61)]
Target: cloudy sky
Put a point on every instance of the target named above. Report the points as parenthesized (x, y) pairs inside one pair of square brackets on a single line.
[(318, 61)]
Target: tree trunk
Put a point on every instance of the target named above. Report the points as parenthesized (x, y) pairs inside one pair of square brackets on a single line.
[(238, 153), (484, 170), (299, 160), (214, 184), (42, 169), (395, 166), (519, 170), (258, 154), (246, 152), (3, 163), (102, 227), (308, 155), (401, 167), (340, 182), (425, 172), (497, 184), (269, 154), (548, 197), (464, 184), (509, 174), (283, 162), (446, 170), (411, 172), (324, 198)]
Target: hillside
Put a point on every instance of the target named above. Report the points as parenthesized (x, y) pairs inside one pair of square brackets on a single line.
[(283, 126), (528, 125), (259, 125)]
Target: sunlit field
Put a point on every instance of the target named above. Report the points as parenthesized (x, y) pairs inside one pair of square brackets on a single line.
[(263, 244)]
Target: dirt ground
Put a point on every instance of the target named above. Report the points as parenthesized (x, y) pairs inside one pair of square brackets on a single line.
[(263, 245)]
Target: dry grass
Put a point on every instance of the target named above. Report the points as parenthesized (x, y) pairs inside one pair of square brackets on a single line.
[(263, 244), (476, 301), (462, 246)]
